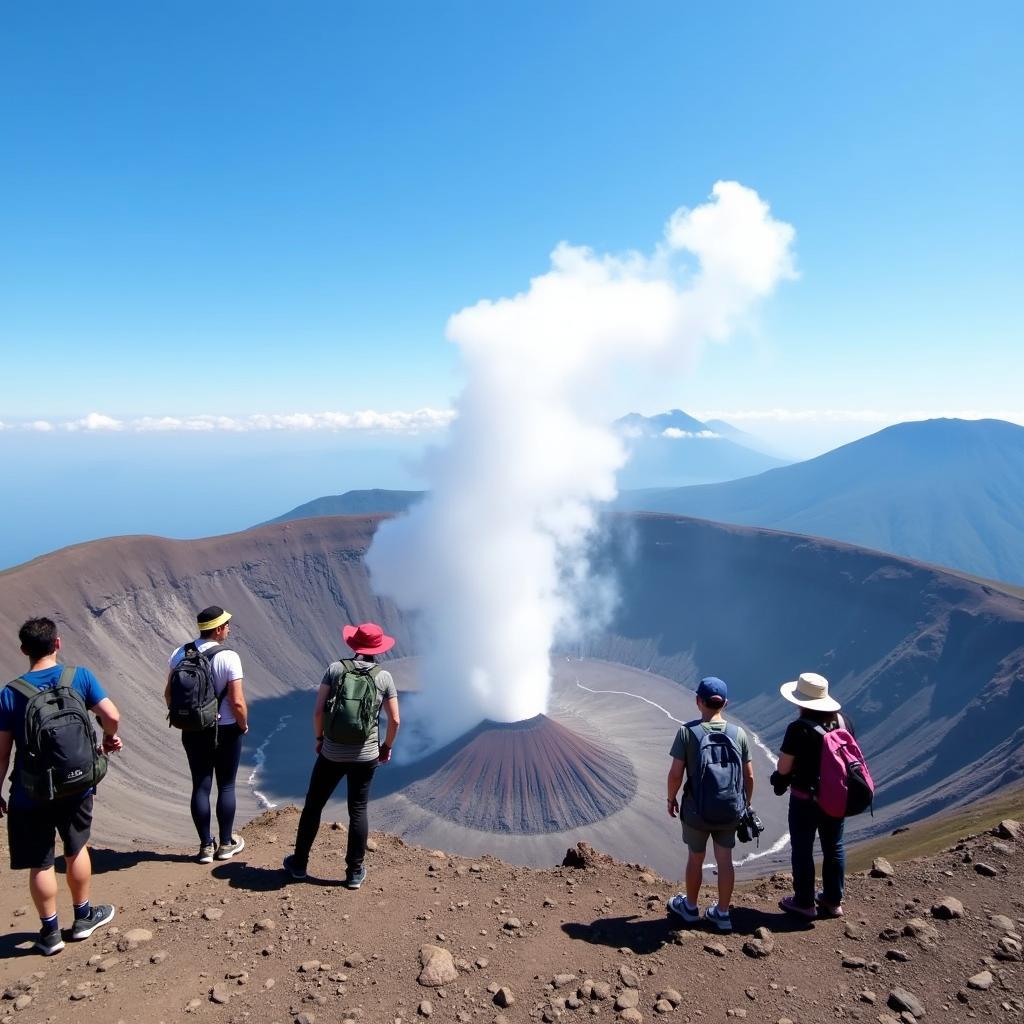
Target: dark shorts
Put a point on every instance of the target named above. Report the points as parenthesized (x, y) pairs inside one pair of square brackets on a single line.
[(696, 838), (32, 831)]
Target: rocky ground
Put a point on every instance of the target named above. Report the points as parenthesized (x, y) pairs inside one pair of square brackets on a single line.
[(436, 936)]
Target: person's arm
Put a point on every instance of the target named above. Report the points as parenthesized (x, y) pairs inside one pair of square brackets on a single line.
[(167, 692), (674, 782), (391, 710), (748, 781), (235, 696), (6, 745), (109, 719), (318, 714)]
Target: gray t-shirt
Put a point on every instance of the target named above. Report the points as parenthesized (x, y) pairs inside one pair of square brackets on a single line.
[(686, 749), (370, 750)]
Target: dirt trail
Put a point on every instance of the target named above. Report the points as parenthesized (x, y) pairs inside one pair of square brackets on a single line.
[(237, 942)]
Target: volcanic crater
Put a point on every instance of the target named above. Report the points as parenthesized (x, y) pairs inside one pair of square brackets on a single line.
[(526, 777)]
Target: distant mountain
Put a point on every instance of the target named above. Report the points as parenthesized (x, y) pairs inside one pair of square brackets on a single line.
[(747, 440), (950, 492), (674, 449), (375, 501)]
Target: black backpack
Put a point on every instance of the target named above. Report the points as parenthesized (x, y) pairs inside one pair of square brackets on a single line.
[(350, 714), (60, 757), (194, 704)]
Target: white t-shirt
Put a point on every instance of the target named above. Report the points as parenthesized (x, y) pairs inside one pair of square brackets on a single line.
[(227, 665)]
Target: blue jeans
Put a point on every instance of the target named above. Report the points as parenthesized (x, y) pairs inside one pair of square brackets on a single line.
[(805, 820)]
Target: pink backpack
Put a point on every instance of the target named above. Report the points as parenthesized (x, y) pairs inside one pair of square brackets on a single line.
[(845, 786)]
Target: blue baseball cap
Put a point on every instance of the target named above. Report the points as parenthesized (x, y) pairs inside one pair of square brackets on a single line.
[(712, 686)]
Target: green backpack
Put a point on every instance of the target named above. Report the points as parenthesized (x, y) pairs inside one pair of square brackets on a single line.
[(350, 714)]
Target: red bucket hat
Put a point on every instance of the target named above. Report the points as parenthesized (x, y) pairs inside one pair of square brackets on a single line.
[(367, 638)]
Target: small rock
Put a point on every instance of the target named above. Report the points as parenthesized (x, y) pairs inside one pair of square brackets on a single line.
[(309, 966), (629, 977), (134, 938), (426, 1008), (671, 995), (715, 948), (762, 944), (854, 931), (986, 869), (372, 845), (512, 924), (663, 1006), (159, 957), (264, 925), (627, 999), (981, 982), (601, 991), (867, 996), (901, 1000), (631, 1015), (23, 1001), (305, 1018), (918, 928), (898, 956), (504, 997), (1009, 829), (1002, 922), (438, 967), (213, 914), (881, 868), (220, 994), (947, 909), (561, 980), (854, 963)]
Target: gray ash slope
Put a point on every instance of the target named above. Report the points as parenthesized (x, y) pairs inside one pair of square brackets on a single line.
[(929, 664)]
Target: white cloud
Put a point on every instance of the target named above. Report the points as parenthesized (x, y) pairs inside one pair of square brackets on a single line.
[(675, 433), (363, 421)]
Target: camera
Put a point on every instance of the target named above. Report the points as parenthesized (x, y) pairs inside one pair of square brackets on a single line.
[(750, 827)]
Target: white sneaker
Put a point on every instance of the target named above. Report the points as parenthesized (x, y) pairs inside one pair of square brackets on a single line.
[(227, 850), (206, 851)]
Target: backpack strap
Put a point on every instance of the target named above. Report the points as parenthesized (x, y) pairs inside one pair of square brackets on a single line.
[(24, 687), (67, 676)]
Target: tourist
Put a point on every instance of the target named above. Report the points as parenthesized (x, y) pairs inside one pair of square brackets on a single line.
[(799, 770), (713, 756), (213, 744), (346, 733), (36, 809)]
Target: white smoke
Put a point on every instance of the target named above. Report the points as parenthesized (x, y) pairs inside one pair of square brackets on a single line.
[(495, 559)]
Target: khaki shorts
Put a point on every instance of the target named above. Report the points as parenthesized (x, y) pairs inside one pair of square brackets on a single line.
[(696, 839)]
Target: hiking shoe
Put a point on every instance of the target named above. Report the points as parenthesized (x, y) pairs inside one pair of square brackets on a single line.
[(827, 909), (790, 906), (680, 906), (98, 916), (718, 919), (227, 850), (293, 867), (205, 855), (354, 879), (50, 942)]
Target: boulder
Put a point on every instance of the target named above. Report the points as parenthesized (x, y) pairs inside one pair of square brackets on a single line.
[(1009, 829), (583, 855), (762, 944), (981, 982)]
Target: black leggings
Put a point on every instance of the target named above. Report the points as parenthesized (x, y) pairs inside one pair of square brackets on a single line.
[(322, 783), (205, 760)]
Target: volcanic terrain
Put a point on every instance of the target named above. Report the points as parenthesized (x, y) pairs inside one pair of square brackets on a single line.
[(928, 664), (527, 777)]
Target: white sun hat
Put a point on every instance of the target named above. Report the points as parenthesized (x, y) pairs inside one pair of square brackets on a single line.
[(810, 691)]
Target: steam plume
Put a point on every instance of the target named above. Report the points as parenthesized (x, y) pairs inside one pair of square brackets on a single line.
[(495, 559)]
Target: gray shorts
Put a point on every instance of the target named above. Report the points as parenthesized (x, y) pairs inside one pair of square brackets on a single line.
[(696, 839)]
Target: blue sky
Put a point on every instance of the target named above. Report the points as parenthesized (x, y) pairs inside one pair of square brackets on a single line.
[(255, 208)]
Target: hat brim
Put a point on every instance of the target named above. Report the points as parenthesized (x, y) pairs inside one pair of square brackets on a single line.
[(788, 691), (386, 642)]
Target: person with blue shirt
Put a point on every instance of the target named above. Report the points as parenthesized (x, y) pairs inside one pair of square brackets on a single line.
[(32, 825)]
